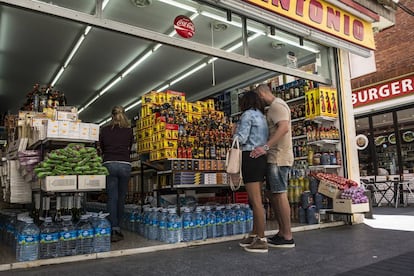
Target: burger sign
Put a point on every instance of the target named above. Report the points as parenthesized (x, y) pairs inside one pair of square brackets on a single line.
[(184, 26)]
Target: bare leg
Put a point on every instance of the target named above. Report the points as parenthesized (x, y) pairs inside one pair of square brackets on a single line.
[(254, 190), (283, 209)]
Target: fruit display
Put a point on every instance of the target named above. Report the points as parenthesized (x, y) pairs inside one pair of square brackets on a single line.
[(74, 159), (356, 194), (342, 182)]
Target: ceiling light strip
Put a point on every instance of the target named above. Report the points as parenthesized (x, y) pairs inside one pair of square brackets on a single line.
[(109, 86), (179, 5), (180, 78), (57, 76), (139, 61), (133, 105)]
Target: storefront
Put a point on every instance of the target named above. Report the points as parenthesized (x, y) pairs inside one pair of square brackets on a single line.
[(317, 35)]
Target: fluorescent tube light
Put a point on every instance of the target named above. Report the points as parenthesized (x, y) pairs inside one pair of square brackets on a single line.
[(293, 43), (133, 66), (179, 5), (104, 122), (105, 2), (133, 105), (188, 73), (57, 76), (87, 30), (88, 104), (156, 47), (74, 50), (163, 87), (109, 86)]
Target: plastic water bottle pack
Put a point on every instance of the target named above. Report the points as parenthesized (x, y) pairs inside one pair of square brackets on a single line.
[(27, 246), (85, 231), (102, 234), (49, 239), (173, 226)]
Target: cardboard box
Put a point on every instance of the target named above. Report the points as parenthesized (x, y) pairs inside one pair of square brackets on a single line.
[(94, 132), (74, 130), (328, 189), (346, 206), (84, 131), (60, 183), (63, 129), (66, 116), (52, 129), (91, 182)]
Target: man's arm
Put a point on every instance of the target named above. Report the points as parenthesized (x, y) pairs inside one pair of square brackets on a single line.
[(282, 127)]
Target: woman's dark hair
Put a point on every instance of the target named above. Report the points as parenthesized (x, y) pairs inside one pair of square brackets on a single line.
[(251, 100)]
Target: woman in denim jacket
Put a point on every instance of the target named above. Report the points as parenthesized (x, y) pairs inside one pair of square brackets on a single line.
[(252, 132)]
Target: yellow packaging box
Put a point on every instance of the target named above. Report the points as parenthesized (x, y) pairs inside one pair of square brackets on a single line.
[(150, 97), (161, 98)]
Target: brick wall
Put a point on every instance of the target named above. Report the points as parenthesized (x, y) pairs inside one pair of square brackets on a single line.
[(394, 53)]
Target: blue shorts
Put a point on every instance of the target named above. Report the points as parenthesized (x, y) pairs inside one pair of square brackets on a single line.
[(277, 178)]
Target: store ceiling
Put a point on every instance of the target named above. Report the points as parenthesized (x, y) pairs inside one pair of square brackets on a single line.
[(34, 46)]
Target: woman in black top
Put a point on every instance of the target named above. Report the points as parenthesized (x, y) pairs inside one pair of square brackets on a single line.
[(115, 142)]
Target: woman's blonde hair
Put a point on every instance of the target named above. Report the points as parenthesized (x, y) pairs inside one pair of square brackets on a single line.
[(119, 117)]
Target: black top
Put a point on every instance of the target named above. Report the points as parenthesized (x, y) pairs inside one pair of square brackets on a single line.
[(116, 143)]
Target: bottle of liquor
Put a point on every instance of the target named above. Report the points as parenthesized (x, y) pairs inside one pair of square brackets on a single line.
[(62, 99), (206, 149), (328, 103), (42, 99), (189, 150), (334, 107), (36, 210), (201, 150), (58, 216), (322, 102), (213, 150)]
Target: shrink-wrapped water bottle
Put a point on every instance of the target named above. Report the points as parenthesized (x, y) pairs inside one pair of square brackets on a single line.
[(200, 229), (49, 239), (220, 222), (102, 234), (67, 237), (210, 223), (230, 220), (153, 224), (162, 225), (240, 220), (84, 242), (173, 227), (249, 218), (188, 225), (146, 221), (27, 247)]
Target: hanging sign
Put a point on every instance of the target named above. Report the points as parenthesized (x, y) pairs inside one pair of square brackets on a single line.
[(388, 90), (323, 16), (184, 26)]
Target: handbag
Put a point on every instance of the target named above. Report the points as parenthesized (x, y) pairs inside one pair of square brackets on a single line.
[(233, 165)]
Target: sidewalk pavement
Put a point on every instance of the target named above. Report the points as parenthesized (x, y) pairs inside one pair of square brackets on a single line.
[(343, 250)]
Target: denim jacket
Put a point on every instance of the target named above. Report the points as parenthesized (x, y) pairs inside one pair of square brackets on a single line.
[(252, 130)]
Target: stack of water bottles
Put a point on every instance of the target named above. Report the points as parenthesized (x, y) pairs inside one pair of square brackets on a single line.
[(92, 234), (195, 223)]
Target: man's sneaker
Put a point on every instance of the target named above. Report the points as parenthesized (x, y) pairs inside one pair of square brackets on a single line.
[(280, 242), (275, 237), (247, 241), (258, 246)]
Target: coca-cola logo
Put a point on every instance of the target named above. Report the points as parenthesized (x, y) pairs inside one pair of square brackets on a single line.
[(184, 26)]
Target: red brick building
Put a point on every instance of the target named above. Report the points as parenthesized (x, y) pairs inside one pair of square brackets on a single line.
[(384, 101)]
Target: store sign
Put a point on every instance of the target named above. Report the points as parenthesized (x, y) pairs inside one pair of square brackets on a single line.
[(184, 26), (323, 16), (384, 91)]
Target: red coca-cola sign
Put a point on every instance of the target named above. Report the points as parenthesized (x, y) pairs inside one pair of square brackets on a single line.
[(184, 26)]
